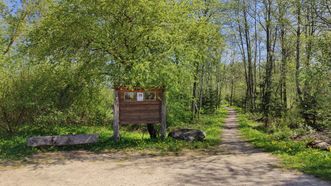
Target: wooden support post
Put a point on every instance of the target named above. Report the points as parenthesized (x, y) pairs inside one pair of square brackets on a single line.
[(163, 116), (116, 127), (152, 131)]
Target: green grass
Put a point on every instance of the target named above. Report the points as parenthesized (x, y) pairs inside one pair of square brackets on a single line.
[(294, 154), (132, 138)]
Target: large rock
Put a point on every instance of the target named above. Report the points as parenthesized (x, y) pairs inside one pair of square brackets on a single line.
[(317, 144), (62, 140), (188, 134)]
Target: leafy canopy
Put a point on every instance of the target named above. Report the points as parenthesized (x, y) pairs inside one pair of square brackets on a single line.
[(137, 43)]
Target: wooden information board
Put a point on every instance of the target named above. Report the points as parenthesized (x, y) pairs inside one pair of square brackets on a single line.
[(139, 106)]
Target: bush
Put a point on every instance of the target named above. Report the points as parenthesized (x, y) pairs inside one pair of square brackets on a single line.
[(282, 134), (46, 94)]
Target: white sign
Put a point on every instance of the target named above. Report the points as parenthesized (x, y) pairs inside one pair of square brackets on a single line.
[(140, 96)]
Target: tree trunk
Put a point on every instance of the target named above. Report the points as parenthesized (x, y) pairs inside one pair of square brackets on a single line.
[(255, 55), (249, 86), (269, 64), (194, 93), (201, 88), (242, 49), (283, 69), (297, 58)]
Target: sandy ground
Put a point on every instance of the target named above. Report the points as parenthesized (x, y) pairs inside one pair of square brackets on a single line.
[(235, 162)]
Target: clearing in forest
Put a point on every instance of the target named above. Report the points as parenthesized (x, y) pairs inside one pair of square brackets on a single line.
[(235, 162)]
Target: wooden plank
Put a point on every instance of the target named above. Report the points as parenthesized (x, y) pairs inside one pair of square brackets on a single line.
[(139, 108), (143, 105), (154, 111), (116, 117), (141, 114), (139, 118), (123, 103), (62, 140), (142, 121)]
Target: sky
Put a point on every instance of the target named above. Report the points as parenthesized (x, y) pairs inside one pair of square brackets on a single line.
[(13, 4)]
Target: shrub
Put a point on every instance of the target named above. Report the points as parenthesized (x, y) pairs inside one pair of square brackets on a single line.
[(46, 94)]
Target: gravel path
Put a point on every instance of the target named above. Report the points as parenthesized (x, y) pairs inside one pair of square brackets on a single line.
[(234, 163)]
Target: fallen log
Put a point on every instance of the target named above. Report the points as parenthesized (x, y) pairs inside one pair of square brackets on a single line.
[(62, 140)]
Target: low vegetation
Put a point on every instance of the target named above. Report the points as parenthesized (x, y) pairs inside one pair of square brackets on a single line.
[(132, 138), (293, 153)]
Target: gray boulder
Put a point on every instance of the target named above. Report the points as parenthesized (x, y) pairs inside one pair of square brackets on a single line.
[(317, 144), (188, 134)]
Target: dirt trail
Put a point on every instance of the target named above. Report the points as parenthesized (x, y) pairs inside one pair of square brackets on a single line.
[(235, 163)]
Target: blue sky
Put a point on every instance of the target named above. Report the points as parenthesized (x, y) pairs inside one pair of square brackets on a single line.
[(13, 4)]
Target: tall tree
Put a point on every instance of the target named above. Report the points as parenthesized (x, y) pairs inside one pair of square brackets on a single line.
[(269, 29), (282, 6), (298, 4)]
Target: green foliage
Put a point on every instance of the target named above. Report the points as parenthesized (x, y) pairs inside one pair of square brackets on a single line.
[(210, 101), (88, 46), (294, 154), (314, 106), (47, 94), (60, 58), (140, 43), (317, 103)]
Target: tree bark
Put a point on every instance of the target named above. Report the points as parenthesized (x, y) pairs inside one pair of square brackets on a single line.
[(297, 58), (194, 92), (250, 80), (116, 134), (284, 53), (163, 116), (242, 49), (269, 64)]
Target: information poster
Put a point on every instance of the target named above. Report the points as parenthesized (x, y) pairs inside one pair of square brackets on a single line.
[(140, 96)]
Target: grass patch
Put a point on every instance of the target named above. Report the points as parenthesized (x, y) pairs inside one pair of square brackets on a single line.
[(132, 138), (293, 154)]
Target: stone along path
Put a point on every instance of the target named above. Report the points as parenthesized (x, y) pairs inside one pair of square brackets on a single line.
[(234, 163)]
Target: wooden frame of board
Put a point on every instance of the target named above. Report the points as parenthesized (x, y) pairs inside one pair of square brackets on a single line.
[(139, 106)]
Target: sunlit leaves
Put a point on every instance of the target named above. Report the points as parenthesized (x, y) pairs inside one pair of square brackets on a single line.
[(140, 37)]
